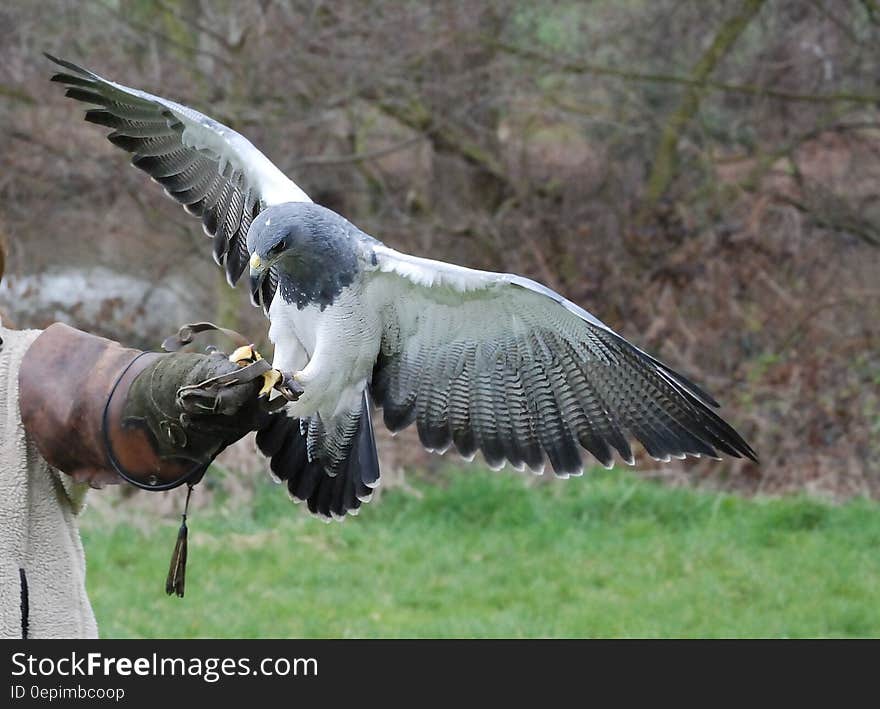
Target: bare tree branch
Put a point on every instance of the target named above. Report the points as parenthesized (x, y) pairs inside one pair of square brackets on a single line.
[(664, 164), (359, 157), (571, 66)]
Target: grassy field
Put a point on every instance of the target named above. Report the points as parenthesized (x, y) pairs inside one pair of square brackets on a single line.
[(496, 555)]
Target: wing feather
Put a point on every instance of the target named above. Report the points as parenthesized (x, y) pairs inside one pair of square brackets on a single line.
[(214, 172), (498, 363)]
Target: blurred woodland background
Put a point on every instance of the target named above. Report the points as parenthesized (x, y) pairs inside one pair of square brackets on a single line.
[(703, 176)]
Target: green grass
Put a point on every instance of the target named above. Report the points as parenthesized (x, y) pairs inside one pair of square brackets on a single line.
[(495, 555)]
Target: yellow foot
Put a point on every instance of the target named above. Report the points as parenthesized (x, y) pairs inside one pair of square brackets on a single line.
[(270, 380), (244, 355), (247, 354)]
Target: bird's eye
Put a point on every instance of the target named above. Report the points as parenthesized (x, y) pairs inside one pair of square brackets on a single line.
[(277, 249)]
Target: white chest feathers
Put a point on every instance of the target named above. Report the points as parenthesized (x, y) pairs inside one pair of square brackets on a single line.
[(334, 348)]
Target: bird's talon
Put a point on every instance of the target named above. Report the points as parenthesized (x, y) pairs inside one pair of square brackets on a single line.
[(270, 380), (290, 387), (244, 355)]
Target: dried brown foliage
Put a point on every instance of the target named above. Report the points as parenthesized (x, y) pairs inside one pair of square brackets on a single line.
[(513, 136)]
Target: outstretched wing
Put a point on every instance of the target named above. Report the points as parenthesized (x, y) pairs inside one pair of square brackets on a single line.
[(500, 364), (214, 172)]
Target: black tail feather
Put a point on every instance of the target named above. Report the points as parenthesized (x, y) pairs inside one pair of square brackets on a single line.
[(308, 480)]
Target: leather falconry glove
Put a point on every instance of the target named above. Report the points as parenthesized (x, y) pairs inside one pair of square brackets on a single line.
[(95, 409), (100, 411)]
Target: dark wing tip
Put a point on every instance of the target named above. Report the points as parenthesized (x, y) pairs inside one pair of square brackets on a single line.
[(67, 65), (697, 428), (715, 431), (689, 384), (367, 455), (100, 117), (744, 448), (722, 435)]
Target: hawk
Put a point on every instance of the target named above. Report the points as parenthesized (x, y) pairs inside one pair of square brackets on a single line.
[(482, 361)]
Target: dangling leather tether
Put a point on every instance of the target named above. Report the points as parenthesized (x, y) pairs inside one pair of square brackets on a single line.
[(177, 571)]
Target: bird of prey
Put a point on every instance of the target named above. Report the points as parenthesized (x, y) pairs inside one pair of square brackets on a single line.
[(489, 362)]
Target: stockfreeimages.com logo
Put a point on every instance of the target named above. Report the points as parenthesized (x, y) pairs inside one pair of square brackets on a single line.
[(210, 669)]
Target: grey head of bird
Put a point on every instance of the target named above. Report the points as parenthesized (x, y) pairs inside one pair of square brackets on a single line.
[(309, 252)]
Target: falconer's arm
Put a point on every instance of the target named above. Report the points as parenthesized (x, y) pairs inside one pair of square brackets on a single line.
[(97, 410)]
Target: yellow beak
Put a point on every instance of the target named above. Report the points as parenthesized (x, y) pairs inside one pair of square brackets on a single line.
[(256, 262)]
